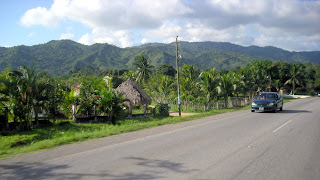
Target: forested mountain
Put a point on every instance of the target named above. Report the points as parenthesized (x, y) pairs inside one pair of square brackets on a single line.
[(59, 57)]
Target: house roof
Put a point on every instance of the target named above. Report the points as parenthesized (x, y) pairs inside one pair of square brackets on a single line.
[(134, 93)]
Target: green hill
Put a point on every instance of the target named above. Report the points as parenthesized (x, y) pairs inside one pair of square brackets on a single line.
[(59, 57)]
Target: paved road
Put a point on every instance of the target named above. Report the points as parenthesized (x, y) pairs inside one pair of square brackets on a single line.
[(239, 145)]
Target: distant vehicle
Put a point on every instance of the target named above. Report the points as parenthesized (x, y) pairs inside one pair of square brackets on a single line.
[(267, 101), (318, 94)]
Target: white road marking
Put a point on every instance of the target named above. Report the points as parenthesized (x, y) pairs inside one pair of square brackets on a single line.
[(282, 126)]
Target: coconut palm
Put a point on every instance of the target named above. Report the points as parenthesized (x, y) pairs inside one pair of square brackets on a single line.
[(296, 72), (256, 73), (189, 82), (25, 79), (209, 84), (143, 68), (226, 85), (9, 93), (31, 94), (160, 87), (239, 83)]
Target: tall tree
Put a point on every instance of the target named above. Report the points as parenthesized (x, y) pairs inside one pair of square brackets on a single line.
[(239, 83), (26, 85), (142, 68), (160, 87), (227, 84), (317, 77), (189, 82), (209, 84), (166, 69), (296, 74)]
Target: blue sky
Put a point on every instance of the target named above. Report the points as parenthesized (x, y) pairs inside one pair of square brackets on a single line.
[(13, 33), (289, 24)]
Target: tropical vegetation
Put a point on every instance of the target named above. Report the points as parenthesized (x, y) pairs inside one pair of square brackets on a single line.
[(25, 93), (28, 96)]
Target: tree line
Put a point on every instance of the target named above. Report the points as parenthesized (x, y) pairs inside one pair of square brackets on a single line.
[(25, 93), (206, 85)]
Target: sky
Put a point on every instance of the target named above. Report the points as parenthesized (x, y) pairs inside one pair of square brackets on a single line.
[(292, 25)]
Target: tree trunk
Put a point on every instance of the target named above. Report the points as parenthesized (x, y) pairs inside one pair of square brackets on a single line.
[(36, 116), (293, 87)]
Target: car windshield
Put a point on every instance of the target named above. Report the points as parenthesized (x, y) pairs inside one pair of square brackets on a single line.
[(266, 96)]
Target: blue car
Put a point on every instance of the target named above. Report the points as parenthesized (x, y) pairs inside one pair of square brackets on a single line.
[(267, 101)]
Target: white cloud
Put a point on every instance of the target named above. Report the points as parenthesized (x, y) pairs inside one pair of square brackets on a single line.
[(122, 38), (67, 36), (85, 40), (245, 22), (39, 16), (108, 13), (145, 41)]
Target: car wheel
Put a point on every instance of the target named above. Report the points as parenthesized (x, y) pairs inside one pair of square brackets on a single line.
[(252, 110), (281, 108)]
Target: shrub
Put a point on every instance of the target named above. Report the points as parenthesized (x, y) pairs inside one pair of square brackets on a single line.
[(162, 109)]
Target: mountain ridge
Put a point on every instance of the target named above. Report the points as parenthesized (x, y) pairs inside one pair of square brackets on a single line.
[(60, 56)]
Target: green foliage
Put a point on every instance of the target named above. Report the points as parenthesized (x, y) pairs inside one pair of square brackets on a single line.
[(295, 73), (189, 82), (142, 68), (209, 85), (64, 56), (227, 85), (111, 105), (25, 92), (166, 69), (160, 88), (162, 109)]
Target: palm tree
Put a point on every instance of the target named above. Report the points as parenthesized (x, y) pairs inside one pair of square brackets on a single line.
[(160, 87), (239, 83), (9, 93), (189, 82), (296, 72), (27, 88), (227, 84), (31, 93), (209, 84), (143, 68)]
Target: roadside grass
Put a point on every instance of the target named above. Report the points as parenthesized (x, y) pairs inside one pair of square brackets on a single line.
[(288, 99), (65, 131)]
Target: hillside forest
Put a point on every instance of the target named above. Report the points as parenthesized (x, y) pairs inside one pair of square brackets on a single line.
[(60, 57), (25, 93)]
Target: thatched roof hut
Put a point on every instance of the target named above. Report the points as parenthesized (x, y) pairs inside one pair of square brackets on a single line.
[(134, 93)]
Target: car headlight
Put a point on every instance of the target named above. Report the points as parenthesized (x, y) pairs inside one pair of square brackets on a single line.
[(270, 104), (253, 104)]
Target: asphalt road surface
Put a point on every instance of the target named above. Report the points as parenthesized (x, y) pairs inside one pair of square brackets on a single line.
[(239, 145)]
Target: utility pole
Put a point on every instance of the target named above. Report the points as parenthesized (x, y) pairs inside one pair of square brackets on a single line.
[(178, 87)]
